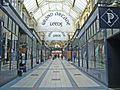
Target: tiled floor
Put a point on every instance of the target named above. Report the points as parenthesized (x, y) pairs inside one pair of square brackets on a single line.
[(54, 75)]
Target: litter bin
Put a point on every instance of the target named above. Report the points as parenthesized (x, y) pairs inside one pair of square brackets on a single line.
[(19, 72)]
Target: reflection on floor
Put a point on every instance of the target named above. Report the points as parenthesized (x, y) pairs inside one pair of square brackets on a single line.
[(54, 75)]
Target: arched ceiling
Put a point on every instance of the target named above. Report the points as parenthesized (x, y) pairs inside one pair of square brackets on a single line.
[(38, 8)]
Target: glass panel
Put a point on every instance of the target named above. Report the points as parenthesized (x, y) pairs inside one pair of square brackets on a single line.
[(78, 10), (17, 29), (99, 50), (37, 14), (97, 65), (58, 6), (34, 52), (40, 1), (73, 14), (14, 52), (84, 57), (30, 5), (5, 21), (29, 52), (6, 50), (10, 24), (81, 4), (52, 6), (66, 8), (71, 1), (97, 25), (32, 8), (13, 29), (92, 30), (91, 53), (87, 34), (45, 8), (95, 28)]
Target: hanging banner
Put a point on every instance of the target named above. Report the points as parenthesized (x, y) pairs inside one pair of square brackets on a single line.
[(50, 36), (109, 17)]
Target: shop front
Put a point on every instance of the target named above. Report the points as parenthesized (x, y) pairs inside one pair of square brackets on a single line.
[(8, 48), (99, 45)]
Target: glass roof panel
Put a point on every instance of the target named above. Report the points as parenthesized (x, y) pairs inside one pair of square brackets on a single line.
[(37, 14), (58, 6), (32, 8), (76, 9), (30, 5), (45, 8), (69, 1), (73, 14), (72, 1), (48, 5), (80, 4), (40, 1), (52, 6), (66, 8)]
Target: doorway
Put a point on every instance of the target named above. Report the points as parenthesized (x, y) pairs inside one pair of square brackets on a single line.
[(113, 57)]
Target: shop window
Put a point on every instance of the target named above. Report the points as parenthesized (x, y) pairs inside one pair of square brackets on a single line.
[(87, 34), (91, 53), (92, 30), (10, 24), (84, 38), (16, 30), (97, 25), (99, 51), (13, 27), (95, 30), (84, 56), (5, 21), (14, 52), (6, 50)]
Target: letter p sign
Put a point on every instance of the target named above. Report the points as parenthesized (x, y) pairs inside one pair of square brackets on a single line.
[(110, 17)]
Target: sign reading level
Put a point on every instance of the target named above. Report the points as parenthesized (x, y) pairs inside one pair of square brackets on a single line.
[(109, 17)]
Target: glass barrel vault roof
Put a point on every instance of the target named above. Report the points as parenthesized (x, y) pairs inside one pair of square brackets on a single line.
[(38, 8)]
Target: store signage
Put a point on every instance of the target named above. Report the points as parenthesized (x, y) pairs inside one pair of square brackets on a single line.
[(109, 17)]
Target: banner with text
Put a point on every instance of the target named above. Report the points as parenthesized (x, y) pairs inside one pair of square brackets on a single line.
[(55, 21)]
